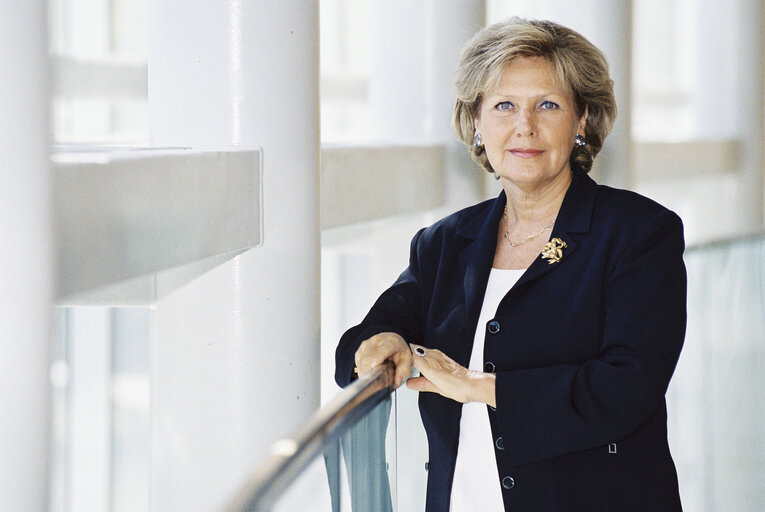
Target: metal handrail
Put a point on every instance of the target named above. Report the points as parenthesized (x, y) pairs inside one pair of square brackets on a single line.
[(290, 456)]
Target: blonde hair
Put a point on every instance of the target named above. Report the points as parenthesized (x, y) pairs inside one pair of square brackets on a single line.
[(578, 64)]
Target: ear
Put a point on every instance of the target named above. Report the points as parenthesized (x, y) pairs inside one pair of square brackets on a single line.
[(476, 125), (582, 122)]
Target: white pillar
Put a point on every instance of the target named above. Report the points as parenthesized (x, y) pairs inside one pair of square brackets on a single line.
[(729, 75), (714, 68), (415, 48), (235, 353), (25, 272), (749, 105)]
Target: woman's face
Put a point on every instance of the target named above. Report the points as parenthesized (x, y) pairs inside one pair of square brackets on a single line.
[(528, 123)]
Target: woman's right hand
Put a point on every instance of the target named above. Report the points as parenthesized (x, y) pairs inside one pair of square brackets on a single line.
[(382, 347)]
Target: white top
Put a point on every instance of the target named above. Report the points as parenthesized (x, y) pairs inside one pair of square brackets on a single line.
[(476, 484)]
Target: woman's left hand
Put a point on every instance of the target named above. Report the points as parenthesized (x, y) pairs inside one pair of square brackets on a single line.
[(441, 374)]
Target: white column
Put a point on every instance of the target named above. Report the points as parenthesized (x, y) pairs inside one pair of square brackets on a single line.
[(415, 48), (713, 67), (235, 353), (25, 272), (749, 105), (729, 75)]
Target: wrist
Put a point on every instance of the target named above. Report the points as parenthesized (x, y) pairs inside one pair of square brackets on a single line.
[(483, 387)]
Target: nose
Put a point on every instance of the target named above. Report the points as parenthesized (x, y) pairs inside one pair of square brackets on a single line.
[(525, 126)]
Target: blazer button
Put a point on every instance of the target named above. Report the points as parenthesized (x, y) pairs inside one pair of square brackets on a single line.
[(500, 443), (508, 482), (493, 327), (488, 367)]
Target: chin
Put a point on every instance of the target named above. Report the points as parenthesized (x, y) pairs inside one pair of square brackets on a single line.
[(525, 176)]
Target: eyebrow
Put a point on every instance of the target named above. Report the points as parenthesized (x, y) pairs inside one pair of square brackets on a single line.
[(534, 96)]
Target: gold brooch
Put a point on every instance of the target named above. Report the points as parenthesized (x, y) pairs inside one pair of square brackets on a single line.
[(553, 250)]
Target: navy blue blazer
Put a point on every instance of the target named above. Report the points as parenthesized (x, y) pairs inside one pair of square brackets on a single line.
[(583, 350)]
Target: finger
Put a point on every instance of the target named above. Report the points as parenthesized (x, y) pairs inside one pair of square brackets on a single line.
[(419, 353), (369, 361), (403, 363), (421, 384), (370, 356), (381, 347), (361, 358), (421, 363), (418, 350), (403, 369)]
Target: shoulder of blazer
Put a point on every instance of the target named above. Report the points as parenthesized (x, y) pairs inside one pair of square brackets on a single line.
[(626, 225), (627, 202), (628, 212)]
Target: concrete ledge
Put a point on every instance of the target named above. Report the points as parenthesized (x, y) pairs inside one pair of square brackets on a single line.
[(368, 183), (122, 216), (686, 159)]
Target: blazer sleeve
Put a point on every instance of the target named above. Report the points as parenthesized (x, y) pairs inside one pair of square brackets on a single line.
[(398, 309), (564, 408)]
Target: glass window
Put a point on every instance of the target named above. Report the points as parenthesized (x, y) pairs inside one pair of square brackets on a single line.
[(98, 51), (344, 71)]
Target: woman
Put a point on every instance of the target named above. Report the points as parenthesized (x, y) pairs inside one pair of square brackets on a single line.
[(555, 313)]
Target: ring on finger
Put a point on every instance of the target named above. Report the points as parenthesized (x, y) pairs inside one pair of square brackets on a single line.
[(419, 351)]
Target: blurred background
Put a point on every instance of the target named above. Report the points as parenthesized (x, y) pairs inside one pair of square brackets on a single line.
[(117, 408)]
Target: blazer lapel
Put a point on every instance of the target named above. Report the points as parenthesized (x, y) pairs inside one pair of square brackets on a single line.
[(477, 257), (574, 217)]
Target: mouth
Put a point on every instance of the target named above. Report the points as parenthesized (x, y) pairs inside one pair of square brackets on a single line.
[(525, 152)]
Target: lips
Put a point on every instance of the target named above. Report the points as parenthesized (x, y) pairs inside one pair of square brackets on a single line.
[(526, 152)]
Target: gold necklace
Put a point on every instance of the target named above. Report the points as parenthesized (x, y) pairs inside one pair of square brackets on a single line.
[(528, 238)]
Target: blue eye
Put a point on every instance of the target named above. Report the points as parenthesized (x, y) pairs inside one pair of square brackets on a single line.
[(504, 106), (548, 105)]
